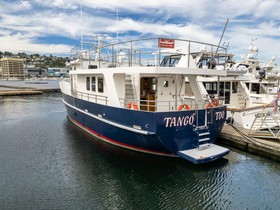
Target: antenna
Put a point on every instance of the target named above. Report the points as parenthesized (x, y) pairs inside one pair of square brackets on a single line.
[(82, 39), (117, 26), (222, 36)]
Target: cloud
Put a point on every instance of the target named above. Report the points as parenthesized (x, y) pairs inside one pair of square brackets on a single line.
[(26, 23), (13, 43)]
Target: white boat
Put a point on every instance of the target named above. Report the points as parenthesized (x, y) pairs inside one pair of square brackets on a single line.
[(132, 95), (248, 95)]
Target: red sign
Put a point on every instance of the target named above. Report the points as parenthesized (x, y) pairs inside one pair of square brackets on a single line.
[(166, 43)]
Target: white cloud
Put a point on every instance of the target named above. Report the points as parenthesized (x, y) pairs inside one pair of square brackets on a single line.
[(25, 43), (22, 5), (201, 20)]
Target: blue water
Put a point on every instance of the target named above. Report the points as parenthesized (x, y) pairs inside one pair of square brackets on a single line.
[(48, 163)]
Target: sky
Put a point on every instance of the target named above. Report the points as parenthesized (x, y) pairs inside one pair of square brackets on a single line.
[(55, 26)]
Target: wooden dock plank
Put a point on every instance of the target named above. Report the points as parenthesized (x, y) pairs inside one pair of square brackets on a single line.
[(20, 92)]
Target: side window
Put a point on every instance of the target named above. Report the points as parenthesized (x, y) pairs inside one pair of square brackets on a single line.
[(100, 85), (93, 84), (88, 83)]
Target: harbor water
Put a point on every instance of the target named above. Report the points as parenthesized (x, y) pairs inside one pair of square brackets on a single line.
[(48, 163)]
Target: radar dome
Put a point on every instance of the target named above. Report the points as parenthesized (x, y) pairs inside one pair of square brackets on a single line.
[(255, 49), (250, 47)]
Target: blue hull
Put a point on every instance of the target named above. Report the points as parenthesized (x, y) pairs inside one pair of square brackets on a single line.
[(161, 133)]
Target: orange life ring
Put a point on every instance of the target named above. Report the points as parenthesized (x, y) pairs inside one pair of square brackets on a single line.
[(184, 106), (215, 102), (132, 106), (210, 105)]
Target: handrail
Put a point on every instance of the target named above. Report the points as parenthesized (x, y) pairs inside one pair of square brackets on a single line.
[(92, 97), (157, 106)]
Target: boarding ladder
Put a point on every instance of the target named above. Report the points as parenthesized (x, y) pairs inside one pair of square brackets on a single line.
[(204, 150), (203, 136), (266, 125), (202, 130)]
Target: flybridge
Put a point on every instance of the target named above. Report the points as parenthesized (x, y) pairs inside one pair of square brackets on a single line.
[(153, 52)]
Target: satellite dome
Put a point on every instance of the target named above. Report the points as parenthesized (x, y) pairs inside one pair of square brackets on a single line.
[(255, 49)]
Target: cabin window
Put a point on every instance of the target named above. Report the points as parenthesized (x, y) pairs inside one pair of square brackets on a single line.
[(93, 84), (88, 83), (100, 85), (165, 83), (211, 87)]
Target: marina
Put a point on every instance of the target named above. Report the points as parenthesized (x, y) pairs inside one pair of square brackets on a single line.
[(139, 105), (49, 164)]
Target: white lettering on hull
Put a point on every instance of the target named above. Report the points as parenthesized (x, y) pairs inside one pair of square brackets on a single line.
[(187, 120), (220, 115), (178, 122)]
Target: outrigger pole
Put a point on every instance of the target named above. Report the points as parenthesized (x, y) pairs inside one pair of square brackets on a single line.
[(222, 36), (216, 55)]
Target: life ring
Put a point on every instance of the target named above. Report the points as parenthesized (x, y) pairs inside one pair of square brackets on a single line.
[(209, 105), (215, 102), (132, 106), (184, 106)]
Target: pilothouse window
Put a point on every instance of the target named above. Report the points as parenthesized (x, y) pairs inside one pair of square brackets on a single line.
[(170, 61)]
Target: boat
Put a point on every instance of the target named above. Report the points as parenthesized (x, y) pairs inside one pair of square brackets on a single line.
[(132, 94), (251, 97)]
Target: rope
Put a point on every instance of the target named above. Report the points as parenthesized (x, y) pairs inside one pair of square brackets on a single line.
[(252, 140)]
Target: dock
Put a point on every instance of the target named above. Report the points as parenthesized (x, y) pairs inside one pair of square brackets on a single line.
[(238, 138), (19, 92), (27, 87)]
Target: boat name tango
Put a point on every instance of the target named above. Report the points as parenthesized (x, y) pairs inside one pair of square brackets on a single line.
[(178, 122)]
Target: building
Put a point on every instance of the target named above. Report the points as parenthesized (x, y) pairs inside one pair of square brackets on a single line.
[(12, 67), (36, 72)]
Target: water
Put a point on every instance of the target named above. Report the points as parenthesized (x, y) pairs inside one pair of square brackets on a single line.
[(48, 163)]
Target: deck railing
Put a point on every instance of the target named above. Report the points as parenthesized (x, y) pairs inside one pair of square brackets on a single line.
[(92, 97), (158, 106), (148, 105), (144, 52)]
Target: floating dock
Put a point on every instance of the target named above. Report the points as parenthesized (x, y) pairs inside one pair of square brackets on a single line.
[(238, 138), (19, 92), (27, 87)]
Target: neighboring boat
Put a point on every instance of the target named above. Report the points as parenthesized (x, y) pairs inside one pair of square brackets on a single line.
[(132, 94), (248, 95)]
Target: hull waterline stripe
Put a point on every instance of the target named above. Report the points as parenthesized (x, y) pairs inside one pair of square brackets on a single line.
[(116, 143), (110, 122)]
